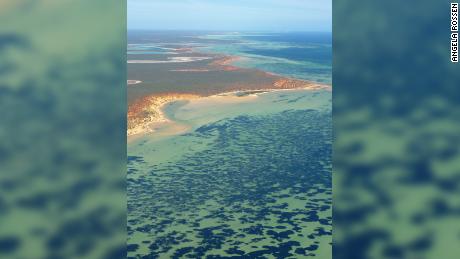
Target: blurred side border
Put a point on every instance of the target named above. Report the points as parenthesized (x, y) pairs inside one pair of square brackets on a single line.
[(62, 129), (396, 107)]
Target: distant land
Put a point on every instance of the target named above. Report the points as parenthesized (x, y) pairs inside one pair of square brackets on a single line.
[(177, 68), (229, 144)]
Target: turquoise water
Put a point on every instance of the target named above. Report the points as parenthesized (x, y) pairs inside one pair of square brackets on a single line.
[(306, 56), (149, 48), (251, 178), (148, 52)]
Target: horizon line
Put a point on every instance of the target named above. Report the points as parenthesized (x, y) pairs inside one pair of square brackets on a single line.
[(225, 30)]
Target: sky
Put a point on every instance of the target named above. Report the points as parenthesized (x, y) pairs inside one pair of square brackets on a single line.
[(230, 15)]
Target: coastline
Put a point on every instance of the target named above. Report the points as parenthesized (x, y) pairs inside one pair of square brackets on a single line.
[(133, 82), (148, 115), (148, 111), (226, 63), (205, 136)]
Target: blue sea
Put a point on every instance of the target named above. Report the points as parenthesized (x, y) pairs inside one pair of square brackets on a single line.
[(238, 175), (300, 55)]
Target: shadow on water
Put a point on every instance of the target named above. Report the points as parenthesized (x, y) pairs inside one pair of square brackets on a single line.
[(396, 147), (62, 148)]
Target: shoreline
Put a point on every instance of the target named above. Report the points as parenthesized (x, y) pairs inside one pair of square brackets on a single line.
[(149, 111), (133, 82), (226, 63), (146, 115), (154, 106)]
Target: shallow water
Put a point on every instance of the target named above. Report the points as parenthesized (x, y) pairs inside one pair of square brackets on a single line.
[(305, 56), (252, 178)]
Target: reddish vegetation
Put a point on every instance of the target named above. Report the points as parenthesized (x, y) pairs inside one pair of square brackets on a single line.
[(225, 63), (148, 109), (286, 83)]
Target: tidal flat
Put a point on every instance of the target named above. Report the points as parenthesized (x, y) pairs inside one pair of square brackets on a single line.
[(252, 180), (236, 160)]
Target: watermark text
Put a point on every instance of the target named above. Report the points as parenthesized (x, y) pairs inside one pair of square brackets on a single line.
[(454, 32)]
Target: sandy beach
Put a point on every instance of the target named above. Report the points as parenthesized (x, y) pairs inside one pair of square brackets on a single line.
[(147, 112), (148, 116), (133, 82), (229, 143)]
